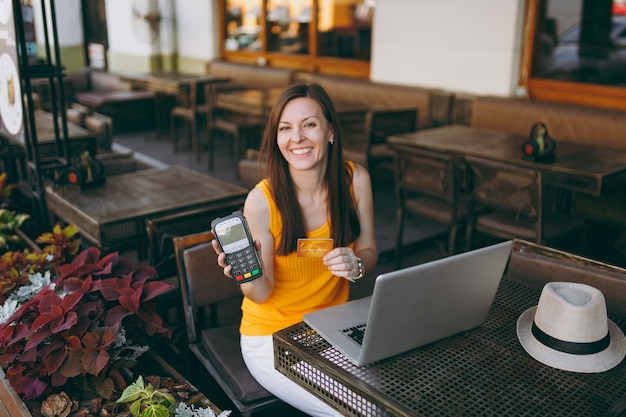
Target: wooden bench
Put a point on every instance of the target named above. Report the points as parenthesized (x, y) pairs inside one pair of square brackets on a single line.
[(565, 122), (433, 105), (537, 265), (252, 76)]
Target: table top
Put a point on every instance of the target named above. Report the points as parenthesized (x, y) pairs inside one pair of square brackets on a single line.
[(481, 372), (168, 82), (45, 129), (146, 192), (577, 167)]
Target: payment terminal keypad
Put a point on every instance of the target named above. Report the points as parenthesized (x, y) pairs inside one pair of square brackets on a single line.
[(244, 263)]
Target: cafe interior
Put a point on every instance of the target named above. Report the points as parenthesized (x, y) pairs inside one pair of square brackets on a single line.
[(140, 121)]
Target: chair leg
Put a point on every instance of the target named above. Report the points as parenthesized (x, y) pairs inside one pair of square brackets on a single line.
[(399, 232), (173, 134), (452, 240), (237, 144), (469, 234), (210, 145), (195, 145)]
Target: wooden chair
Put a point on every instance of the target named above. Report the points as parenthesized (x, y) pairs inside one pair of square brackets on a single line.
[(428, 184), (250, 169), (369, 146), (117, 163), (513, 201), (76, 116), (102, 127), (191, 108), (246, 130), (215, 345), (162, 230)]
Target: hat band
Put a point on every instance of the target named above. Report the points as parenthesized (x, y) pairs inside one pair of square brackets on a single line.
[(583, 348)]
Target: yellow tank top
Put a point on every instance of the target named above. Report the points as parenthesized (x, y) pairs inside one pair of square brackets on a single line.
[(301, 285)]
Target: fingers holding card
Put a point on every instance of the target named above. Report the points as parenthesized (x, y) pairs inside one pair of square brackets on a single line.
[(314, 248)]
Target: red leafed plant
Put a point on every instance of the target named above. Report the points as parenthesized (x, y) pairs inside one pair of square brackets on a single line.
[(58, 247), (76, 331)]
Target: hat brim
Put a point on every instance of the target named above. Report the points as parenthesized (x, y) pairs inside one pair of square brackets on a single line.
[(592, 363)]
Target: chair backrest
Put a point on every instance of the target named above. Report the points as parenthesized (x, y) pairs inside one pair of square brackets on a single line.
[(250, 169), (117, 163), (162, 230), (507, 187), (381, 123), (76, 116), (102, 127), (80, 107), (202, 280), (195, 99), (368, 145), (431, 173)]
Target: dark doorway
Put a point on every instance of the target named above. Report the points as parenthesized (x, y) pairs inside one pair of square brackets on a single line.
[(95, 29)]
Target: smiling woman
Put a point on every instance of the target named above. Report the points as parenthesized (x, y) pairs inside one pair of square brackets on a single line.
[(309, 192)]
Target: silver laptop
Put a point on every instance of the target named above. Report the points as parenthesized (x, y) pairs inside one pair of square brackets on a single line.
[(415, 306)]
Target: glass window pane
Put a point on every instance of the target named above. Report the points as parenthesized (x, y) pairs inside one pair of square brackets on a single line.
[(582, 42), (344, 28), (242, 24), (288, 26)]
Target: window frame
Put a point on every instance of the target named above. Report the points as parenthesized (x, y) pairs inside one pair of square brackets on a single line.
[(611, 97), (309, 62)]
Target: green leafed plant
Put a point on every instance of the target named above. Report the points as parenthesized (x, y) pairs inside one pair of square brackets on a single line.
[(9, 222), (146, 401), (5, 189), (149, 402)]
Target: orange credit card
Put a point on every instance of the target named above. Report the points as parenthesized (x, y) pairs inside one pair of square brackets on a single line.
[(314, 248)]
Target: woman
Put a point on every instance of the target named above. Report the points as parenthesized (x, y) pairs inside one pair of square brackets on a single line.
[(309, 192)]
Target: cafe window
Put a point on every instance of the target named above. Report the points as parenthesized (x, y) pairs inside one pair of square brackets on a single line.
[(301, 31), (578, 51), (288, 26)]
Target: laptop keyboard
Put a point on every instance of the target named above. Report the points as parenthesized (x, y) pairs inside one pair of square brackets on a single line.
[(355, 333)]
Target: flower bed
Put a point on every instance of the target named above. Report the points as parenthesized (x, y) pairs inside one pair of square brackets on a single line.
[(73, 328), (158, 372)]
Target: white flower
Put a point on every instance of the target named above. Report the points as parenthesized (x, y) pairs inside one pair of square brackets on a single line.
[(183, 410), (38, 281), (23, 294), (7, 309)]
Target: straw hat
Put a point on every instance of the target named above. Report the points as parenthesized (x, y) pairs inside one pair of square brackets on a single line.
[(569, 329)]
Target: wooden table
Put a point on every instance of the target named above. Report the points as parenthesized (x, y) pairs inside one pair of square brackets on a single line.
[(114, 213), (481, 372), (580, 168), (168, 85), (167, 82)]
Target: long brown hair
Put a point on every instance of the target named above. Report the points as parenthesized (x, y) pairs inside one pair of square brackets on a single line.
[(344, 222)]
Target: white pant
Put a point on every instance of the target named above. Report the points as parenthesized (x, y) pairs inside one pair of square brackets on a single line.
[(258, 354)]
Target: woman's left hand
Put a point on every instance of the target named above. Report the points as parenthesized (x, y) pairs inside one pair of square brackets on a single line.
[(343, 262)]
